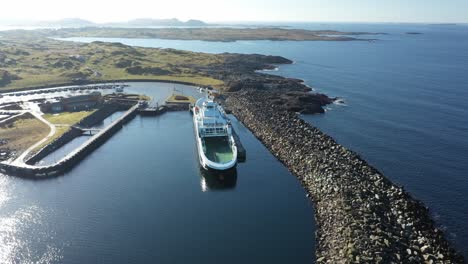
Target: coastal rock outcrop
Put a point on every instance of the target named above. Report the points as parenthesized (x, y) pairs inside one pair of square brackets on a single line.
[(361, 216), (241, 73), (300, 102)]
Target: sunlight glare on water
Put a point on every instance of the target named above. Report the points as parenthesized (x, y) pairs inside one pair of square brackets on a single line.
[(15, 235)]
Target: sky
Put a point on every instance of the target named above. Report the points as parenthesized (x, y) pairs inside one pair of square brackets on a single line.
[(424, 11)]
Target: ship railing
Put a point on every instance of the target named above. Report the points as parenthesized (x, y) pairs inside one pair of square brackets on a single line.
[(214, 131), (217, 124)]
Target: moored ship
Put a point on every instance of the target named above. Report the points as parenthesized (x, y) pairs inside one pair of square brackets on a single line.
[(216, 146)]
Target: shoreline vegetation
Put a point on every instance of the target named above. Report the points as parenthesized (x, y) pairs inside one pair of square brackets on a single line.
[(361, 215)]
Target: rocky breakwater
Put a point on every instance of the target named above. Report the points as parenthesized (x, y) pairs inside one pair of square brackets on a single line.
[(361, 216)]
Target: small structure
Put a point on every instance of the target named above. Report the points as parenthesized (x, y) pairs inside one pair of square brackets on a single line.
[(142, 104), (119, 89)]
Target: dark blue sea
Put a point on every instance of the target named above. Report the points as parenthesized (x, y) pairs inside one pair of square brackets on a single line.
[(141, 198)]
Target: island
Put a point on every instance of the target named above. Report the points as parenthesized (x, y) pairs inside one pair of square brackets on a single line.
[(224, 34)]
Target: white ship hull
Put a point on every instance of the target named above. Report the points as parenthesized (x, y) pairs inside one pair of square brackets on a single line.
[(216, 151)]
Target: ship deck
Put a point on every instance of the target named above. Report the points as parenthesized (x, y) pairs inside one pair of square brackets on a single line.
[(217, 149)]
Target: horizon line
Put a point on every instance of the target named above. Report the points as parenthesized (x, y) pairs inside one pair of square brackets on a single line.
[(15, 20)]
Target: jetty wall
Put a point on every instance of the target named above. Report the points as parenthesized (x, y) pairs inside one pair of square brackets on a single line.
[(68, 136), (102, 113), (361, 216), (65, 164), (93, 119)]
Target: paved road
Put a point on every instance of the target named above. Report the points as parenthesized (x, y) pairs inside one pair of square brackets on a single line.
[(53, 129), (12, 116)]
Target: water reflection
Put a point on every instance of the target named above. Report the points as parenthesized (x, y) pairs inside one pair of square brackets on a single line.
[(218, 180), (18, 245), (22, 229)]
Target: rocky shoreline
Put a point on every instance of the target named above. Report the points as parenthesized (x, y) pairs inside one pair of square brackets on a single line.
[(241, 72), (361, 216)]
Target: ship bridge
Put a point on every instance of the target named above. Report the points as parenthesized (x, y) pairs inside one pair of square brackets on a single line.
[(213, 121)]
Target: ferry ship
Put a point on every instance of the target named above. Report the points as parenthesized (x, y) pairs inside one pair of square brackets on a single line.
[(216, 146)]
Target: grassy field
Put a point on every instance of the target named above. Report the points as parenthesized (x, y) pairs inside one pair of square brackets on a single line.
[(23, 133), (60, 130), (175, 98), (30, 62), (28, 130), (67, 118), (64, 121)]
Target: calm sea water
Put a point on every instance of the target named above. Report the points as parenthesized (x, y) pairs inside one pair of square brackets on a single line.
[(406, 103), (141, 198)]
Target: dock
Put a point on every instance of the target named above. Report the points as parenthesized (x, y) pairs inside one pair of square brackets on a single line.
[(29, 169), (241, 153), (152, 111)]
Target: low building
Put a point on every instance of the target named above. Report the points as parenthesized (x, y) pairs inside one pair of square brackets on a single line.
[(56, 106), (72, 104)]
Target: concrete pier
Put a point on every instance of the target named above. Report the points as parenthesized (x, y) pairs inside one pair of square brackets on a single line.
[(241, 153), (152, 111)]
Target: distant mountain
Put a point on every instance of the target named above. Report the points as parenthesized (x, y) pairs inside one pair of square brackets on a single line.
[(195, 23), (147, 22), (140, 22), (153, 22)]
